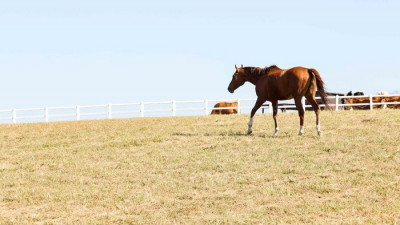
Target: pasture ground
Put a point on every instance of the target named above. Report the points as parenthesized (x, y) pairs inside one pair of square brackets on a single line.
[(202, 170)]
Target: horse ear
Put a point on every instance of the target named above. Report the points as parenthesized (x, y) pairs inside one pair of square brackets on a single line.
[(242, 65), (236, 68)]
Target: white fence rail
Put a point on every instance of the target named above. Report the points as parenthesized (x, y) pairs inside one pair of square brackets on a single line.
[(164, 108)]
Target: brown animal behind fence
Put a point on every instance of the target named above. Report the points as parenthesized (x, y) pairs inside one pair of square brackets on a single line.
[(393, 99), (225, 111), (377, 99)]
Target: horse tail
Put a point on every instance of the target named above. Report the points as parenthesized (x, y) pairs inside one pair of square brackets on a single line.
[(320, 86)]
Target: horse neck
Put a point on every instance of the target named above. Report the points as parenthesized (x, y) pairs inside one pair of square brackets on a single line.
[(253, 79), (254, 74)]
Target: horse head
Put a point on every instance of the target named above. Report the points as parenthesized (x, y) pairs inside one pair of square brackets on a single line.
[(238, 79)]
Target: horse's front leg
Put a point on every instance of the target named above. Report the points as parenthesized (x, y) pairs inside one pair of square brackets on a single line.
[(258, 104)]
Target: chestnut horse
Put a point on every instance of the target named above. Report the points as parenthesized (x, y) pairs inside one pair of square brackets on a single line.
[(224, 105), (273, 84)]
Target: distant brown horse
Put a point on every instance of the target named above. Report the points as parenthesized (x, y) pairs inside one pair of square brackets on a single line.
[(225, 105), (375, 99), (273, 84)]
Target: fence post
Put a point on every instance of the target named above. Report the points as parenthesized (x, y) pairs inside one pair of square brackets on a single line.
[(78, 115), (173, 108), (46, 114), (371, 104), (109, 111), (270, 107), (337, 102), (206, 107), (142, 109), (14, 117), (238, 106)]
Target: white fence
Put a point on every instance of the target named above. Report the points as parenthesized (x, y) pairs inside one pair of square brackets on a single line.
[(153, 109)]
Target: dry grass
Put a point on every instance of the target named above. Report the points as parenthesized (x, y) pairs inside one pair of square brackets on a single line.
[(202, 170)]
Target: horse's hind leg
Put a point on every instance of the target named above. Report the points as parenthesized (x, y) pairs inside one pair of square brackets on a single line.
[(317, 110), (275, 114), (300, 109)]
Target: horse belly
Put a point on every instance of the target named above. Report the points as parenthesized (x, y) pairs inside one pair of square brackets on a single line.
[(286, 97), (278, 87), (280, 95)]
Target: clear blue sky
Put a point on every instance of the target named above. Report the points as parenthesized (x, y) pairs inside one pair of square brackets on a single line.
[(79, 52)]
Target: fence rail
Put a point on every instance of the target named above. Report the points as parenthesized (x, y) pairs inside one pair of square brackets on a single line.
[(162, 108)]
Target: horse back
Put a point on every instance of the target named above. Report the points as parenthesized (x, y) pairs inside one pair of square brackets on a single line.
[(284, 84)]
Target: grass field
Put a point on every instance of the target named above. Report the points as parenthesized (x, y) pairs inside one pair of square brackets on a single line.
[(203, 170)]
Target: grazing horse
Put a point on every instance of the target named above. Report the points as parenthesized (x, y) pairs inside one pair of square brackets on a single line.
[(225, 105), (273, 84)]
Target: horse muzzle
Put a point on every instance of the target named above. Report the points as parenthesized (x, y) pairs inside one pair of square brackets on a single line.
[(230, 90)]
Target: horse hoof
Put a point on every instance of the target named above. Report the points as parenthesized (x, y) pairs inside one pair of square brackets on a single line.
[(320, 133), (249, 132), (301, 130), (276, 132)]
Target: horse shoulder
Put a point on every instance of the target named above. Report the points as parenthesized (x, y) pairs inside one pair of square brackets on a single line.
[(262, 87)]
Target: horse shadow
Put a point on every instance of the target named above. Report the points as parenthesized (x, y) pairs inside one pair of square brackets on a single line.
[(232, 134)]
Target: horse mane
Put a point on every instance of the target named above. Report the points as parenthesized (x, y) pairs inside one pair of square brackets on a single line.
[(258, 71)]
